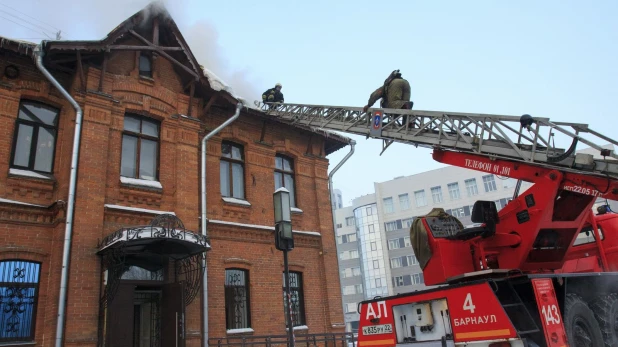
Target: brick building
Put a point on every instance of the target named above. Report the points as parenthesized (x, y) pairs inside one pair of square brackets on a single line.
[(136, 242)]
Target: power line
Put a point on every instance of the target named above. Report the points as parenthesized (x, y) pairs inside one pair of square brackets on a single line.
[(26, 26), (16, 17), (25, 14)]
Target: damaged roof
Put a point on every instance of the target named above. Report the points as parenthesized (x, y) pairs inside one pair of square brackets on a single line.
[(130, 26)]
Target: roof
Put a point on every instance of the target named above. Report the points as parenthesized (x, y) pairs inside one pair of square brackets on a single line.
[(334, 141)]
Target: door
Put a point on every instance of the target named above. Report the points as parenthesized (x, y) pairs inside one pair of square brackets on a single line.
[(119, 330), (173, 311)]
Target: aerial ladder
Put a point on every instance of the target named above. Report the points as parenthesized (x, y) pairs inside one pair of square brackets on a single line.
[(529, 274)]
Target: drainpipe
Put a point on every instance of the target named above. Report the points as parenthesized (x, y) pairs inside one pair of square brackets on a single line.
[(332, 205), (330, 181), (68, 230), (204, 221)]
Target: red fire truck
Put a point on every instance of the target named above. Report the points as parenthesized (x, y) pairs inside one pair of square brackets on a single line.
[(540, 272)]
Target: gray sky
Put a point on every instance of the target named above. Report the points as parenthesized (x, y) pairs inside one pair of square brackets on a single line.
[(551, 58)]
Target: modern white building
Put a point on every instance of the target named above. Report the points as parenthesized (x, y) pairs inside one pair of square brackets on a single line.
[(373, 240)]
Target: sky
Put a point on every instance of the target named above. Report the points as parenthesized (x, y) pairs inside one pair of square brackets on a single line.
[(551, 58)]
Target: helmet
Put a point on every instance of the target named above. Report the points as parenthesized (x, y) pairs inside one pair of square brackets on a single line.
[(278, 85)]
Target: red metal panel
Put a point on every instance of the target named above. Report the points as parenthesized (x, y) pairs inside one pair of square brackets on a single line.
[(474, 314), (549, 310)]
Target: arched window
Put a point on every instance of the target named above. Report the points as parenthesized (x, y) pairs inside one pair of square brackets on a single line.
[(34, 141), (19, 290), (237, 304)]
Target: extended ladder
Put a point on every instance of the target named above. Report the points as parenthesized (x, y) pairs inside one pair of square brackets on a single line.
[(508, 137)]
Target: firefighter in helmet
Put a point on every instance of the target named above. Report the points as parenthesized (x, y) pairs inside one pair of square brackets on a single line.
[(273, 94)]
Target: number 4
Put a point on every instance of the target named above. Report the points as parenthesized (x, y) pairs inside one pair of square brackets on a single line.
[(468, 305)]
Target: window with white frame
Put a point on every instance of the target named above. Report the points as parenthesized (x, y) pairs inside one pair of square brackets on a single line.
[(406, 241), (348, 290), (436, 194), (390, 226), (412, 260), (376, 264), (369, 211), (398, 281), (407, 222), (395, 262), (404, 202), (346, 238), (378, 282), (453, 191), (388, 205), (419, 197), (489, 183), (358, 288), (471, 187), (353, 254), (349, 221), (418, 278), (371, 228), (350, 307), (374, 246)]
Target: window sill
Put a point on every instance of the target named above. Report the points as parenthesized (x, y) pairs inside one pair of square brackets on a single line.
[(300, 327), (7, 344), (141, 183), (235, 201), (239, 331), (30, 174), (296, 210)]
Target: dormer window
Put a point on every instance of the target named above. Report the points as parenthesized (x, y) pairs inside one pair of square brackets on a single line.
[(145, 64)]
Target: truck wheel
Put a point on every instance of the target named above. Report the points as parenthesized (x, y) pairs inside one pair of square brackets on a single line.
[(581, 327), (605, 309)]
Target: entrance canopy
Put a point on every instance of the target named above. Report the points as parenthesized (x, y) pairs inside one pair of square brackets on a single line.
[(151, 246)]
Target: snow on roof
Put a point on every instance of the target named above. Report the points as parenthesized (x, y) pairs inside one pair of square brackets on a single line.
[(216, 83)]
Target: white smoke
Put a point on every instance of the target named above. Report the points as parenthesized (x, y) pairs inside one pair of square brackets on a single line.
[(93, 19)]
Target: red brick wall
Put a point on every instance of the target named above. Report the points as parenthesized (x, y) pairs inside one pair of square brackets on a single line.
[(38, 233)]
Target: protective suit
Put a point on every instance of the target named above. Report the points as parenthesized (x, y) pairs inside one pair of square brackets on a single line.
[(419, 238)]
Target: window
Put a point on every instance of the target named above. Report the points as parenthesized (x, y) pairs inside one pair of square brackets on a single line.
[(374, 246), (376, 264), (353, 254), (407, 222), (140, 148), (232, 169), (358, 288), (339, 226), (348, 290), (350, 307), (586, 235), (297, 298), (471, 187), (399, 243), (145, 64), (349, 221), (346, 238), (436, 194), (371, 228), (34, 141), (352, 326), (284, 176), (378, 282), (418, 278), (369, 211), (404, 202), (412, 260), (350, 272), (395, 262), (388, 205), (237, 312), (19, 291), (490, 184), (345, 255), (419, 196), (453, 191), (398, 281)]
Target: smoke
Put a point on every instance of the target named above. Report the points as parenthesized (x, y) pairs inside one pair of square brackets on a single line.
[(93, 19)]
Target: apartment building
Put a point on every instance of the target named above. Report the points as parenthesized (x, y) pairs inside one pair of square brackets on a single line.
[(134, 274)]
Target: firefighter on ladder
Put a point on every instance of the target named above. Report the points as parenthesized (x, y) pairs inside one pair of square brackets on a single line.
[(395, 93), (273, 95)]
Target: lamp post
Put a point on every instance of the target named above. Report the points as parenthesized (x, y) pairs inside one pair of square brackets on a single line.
[(284, 241)]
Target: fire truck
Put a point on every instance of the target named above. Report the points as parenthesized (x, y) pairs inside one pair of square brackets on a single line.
[(542, 271)]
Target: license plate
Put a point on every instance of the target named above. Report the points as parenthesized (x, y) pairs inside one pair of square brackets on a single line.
[(378, 329)]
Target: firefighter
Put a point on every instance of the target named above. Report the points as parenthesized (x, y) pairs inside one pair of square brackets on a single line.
[(395, 93), (273, 94)]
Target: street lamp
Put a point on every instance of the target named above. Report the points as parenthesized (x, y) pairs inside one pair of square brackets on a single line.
[(284, 241)]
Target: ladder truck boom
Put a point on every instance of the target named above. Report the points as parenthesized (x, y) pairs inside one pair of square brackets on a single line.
[(542, 271), (524, 139)]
